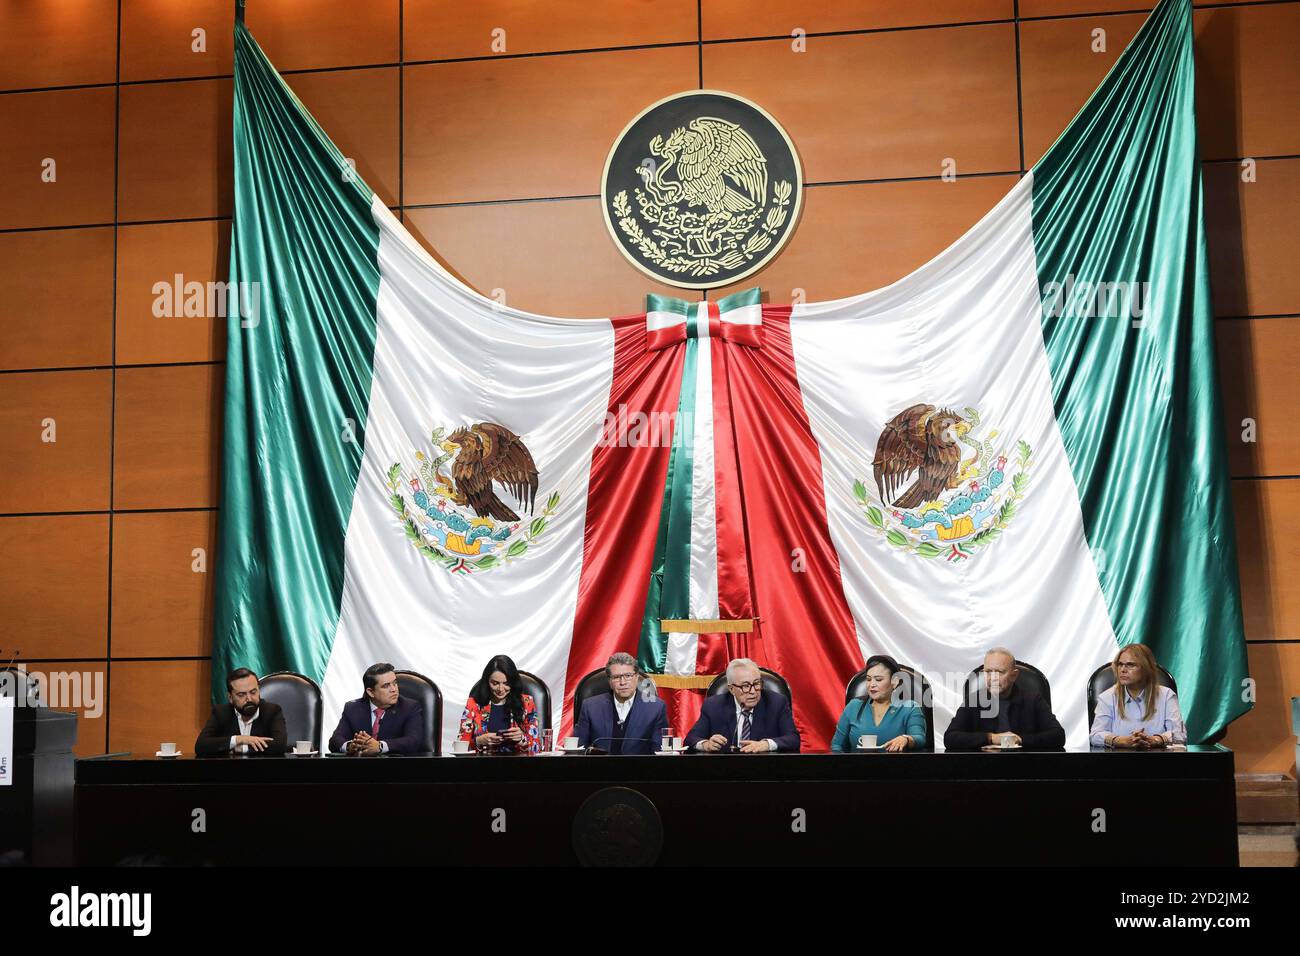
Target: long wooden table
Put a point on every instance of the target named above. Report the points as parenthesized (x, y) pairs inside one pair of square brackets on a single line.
[(1057, 808)]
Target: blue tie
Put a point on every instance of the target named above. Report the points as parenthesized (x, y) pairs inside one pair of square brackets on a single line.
[(745, 723)]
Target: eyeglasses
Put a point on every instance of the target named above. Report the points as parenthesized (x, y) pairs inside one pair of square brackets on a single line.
[(748, 686), (621, 677), (1127, 665)]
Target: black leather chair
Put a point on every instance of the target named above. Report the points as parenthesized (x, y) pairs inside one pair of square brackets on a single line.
[(912, 685), (593, 685), (1103, 679), (773, 683), (425, 693), (1030, 678), (300, 698), (536, 688)]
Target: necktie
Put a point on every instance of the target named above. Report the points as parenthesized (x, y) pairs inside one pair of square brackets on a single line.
[(374, 731), (745, 720)]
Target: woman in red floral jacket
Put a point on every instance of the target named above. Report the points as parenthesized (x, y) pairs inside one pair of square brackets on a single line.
[(498, 715)]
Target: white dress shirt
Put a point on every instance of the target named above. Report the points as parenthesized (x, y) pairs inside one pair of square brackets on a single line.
[(623, 707), (245, 730), (1166, 722), (740, 717)]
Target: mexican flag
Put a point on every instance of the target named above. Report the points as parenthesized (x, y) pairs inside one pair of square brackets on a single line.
[(1018, 444)]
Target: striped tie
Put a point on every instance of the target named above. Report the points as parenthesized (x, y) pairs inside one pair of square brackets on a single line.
[(745, 722)]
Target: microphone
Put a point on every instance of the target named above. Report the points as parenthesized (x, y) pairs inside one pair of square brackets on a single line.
[(8, 668)]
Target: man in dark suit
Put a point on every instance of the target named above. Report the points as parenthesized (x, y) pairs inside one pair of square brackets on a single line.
[(247, 724), (622, 722), (746, 720), (380, 721), (1004, 711)]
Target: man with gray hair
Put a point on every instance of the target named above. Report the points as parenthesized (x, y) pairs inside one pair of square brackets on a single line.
[(622, 721), (1007, 716), (745, 720)]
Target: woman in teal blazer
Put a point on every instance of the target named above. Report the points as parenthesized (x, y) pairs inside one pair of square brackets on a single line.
[(896, 725)]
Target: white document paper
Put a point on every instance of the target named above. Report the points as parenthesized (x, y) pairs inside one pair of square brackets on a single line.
[(6, 741)]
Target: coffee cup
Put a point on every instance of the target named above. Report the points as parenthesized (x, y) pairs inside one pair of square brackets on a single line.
[(1007, 741), (570, 743), (867, 742), (302, 746), (168, 749), (460, 746), (677, 744)]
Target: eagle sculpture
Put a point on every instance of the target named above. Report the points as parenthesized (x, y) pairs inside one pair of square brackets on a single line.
[(718, 166), (920, 440), (486, 453)]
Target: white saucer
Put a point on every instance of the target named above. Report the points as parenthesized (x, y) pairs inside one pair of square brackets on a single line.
[(990, 748), (866, 750), (295, 753), (462, 753), (167, 756), (573, 750), (669, 753)]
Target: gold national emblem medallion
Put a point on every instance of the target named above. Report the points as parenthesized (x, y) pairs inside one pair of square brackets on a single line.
[(702, 189)]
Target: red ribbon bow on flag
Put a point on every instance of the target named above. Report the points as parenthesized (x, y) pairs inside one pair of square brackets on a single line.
[(737, 318)]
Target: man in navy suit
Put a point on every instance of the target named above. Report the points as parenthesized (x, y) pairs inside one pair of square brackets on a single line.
[(380, 721), (746, 720), (621, 722)]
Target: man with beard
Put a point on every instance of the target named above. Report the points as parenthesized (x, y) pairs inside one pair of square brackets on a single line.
[(247, 724)]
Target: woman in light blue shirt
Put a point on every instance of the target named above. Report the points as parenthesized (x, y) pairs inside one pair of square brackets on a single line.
[(896, 725), (1138, 712)]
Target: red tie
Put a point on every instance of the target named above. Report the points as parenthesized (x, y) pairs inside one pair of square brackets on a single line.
[(374, 731)]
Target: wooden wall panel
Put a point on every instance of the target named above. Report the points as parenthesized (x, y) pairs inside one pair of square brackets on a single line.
[(727, 19), (529, 127), (1263, 739), (152, 324), (57, 43), (313, 34), (162, 602), (74, 128), (174, 152), (1251, 230), (70, 472), (874, 110), (56, 298), (1247, 77), (528, 252), (295, 34), (358, 111), (158, 39), (157, 701), (1268, 555), (446, 29), (1057, 8), (1248, 80), (82, 686), (1258, 359), (1059, 70), (54, 586), (166, 431), (857, 108)]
